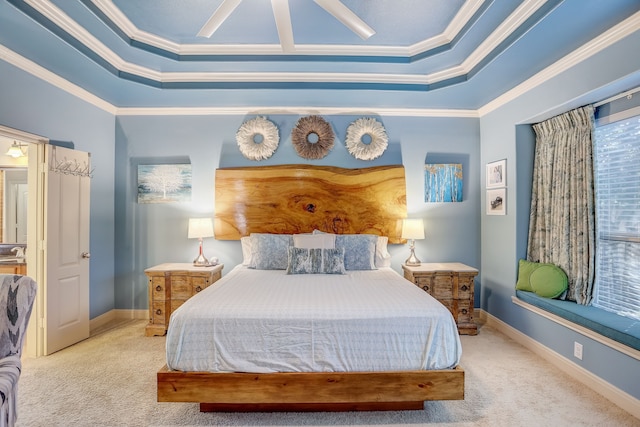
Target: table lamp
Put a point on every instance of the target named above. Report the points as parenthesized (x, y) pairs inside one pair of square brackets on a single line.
[(412, 229), (198, 229)]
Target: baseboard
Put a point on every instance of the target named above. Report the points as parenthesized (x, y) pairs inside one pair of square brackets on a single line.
[(597, 384), (117, 314)]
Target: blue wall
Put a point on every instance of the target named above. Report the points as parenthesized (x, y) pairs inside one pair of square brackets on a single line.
[(127, 237), (504, 136), (148, 234), (31, 105)]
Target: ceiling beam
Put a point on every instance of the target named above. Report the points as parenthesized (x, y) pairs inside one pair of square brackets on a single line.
[(343, 14), (218, 17), (283, 23)]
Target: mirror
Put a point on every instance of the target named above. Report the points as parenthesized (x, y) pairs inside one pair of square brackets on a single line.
[(13, 192)]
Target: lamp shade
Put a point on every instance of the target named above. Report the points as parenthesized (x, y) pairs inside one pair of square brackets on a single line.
[(200, 227), (412, 229)]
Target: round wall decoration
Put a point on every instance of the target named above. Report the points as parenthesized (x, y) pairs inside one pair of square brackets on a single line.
[(257, 138), (312, 137), (366, 139)]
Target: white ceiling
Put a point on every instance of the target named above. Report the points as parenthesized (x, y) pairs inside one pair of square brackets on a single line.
[(424, 53)]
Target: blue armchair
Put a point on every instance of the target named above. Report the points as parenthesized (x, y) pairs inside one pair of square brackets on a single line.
[(17, 295)]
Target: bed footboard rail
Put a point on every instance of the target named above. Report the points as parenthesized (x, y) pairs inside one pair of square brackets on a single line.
[(312, 390)]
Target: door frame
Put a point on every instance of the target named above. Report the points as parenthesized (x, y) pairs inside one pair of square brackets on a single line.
[(34, 340)]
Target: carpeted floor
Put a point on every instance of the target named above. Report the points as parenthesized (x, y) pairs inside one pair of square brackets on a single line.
[(109, 380)]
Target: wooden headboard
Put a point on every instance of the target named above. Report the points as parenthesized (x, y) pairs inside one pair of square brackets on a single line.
[(291, 199)]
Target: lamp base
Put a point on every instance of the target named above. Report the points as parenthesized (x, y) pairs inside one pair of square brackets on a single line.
[(201, 260), (413, 259)]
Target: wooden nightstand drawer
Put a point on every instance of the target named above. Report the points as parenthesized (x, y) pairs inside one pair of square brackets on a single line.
[(442, 285), (170, 285), (158, 288), (452, 285)]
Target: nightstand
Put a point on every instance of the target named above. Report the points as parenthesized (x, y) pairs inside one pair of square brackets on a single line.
[(451, 283), (170, 285)]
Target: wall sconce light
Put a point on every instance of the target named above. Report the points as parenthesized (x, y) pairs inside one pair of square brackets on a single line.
[(16, 150), (198, 229), (412, 229)]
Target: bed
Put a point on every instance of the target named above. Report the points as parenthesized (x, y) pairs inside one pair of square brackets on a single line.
[(312, 319)]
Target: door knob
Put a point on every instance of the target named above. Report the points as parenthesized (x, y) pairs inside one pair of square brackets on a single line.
[(86, 255)]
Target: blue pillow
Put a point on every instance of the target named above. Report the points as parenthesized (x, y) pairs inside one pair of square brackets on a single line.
[(270, 251), (359, 250)]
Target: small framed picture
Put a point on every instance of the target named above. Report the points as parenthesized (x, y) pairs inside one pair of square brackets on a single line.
[(497, 202), (497, 174)]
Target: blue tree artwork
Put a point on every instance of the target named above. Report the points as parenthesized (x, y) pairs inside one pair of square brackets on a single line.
[(443, 182)]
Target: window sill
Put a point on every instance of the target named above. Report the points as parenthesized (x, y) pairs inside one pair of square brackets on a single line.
[(615, 331)]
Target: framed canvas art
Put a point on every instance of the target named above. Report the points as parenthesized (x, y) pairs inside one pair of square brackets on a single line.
[(443, 182), (164, 183), (497, 202), (497, 174)]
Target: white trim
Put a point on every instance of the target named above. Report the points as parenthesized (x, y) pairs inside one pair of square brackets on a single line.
[(597, 384), (43, 74), (456, 25), (293, 110), (615, 34), (604, 40), (629, 351), (65, 22), (616, 117), (22, 136)]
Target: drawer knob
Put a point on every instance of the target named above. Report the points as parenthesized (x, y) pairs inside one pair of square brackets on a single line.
[(158, 288), (158, 312), (464, 311), (464, 287), (426, 288), (198, 288)]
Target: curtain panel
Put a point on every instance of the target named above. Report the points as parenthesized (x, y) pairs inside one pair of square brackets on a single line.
[(562, 218)]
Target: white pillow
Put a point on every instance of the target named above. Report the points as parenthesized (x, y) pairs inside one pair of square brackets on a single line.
[(383, 257), (246, 250), (314, 241)]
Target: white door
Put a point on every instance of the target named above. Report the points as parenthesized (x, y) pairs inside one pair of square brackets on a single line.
[(66, 247)]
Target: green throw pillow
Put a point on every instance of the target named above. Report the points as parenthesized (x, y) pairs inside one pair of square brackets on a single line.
[(525, 268), (548, 281)]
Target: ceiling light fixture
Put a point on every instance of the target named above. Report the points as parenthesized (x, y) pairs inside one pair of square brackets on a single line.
[(15, 150), (218, 17), (343, 14)]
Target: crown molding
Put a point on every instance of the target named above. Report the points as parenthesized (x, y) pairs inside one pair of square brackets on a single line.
[(295, 110), (152, 77), (614, 34), (42, 73), (606, 39)]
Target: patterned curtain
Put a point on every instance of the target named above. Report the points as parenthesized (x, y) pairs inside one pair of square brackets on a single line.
[(562, 219)]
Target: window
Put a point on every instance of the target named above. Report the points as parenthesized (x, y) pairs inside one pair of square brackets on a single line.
[(617, 177)]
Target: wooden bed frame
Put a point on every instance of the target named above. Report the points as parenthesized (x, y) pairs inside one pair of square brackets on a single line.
[(310, 391), (296, 199)]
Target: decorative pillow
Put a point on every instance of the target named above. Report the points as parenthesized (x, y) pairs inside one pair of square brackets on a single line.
[(304, 260), (245, 242), (525, 268), (310, 241), (549, 281), (269, 251), (333, 261), (359, 250), (315, 261), (383, 257)]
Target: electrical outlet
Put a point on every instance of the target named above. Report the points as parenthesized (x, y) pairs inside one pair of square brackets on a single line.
[(577, 350)]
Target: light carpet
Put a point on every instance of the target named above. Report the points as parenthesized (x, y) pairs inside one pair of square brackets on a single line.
[(109, 380)]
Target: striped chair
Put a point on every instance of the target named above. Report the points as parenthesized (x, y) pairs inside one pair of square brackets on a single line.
[(17, 295)]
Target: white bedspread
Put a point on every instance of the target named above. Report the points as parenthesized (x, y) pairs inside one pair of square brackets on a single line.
[(267, 321)]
